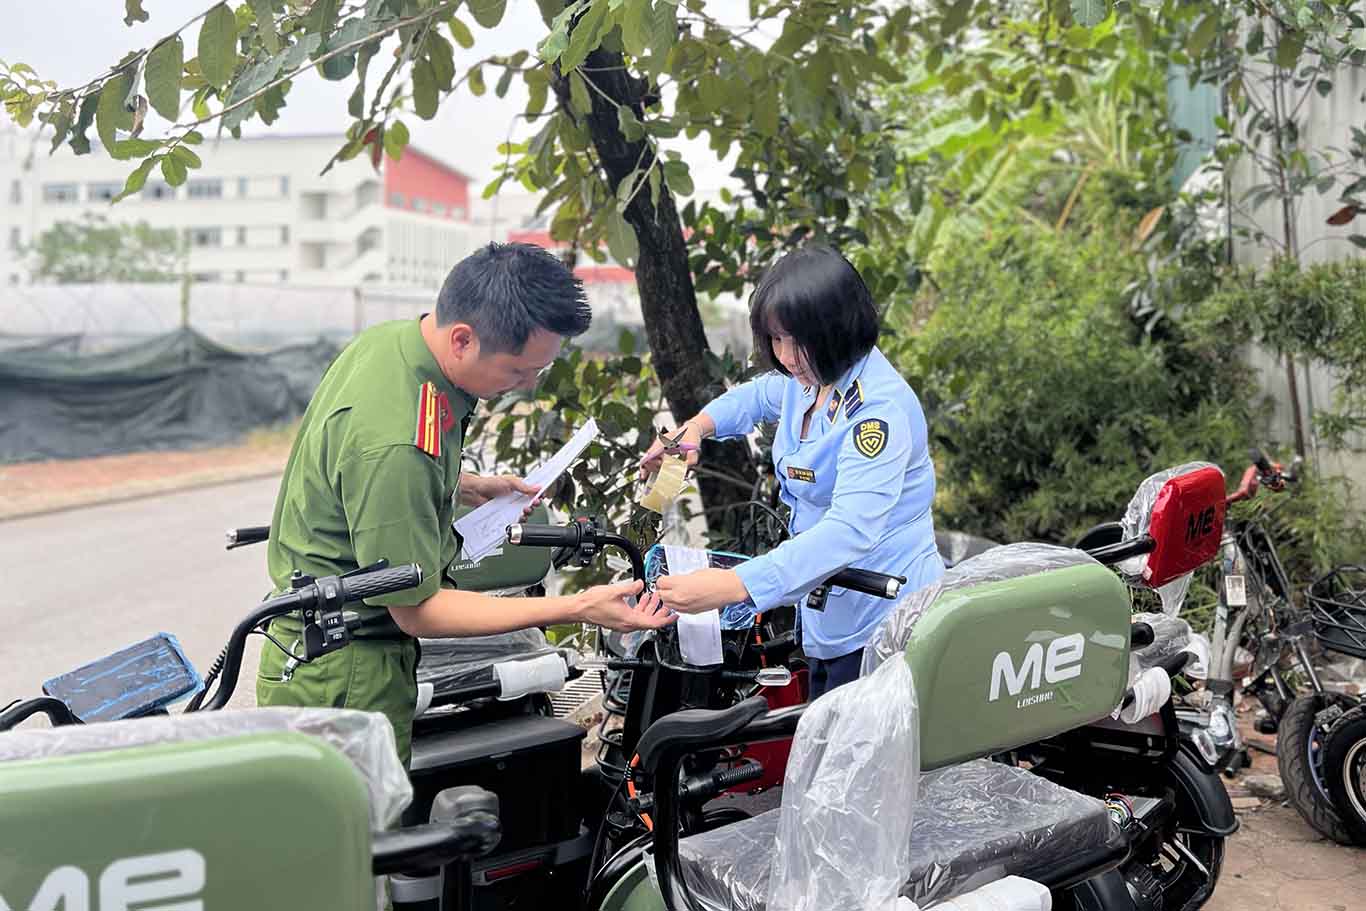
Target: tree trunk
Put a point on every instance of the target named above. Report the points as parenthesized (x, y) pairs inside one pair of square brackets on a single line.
[(668, 301)]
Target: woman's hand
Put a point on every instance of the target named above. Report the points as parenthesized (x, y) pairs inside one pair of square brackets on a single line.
[(689, 436), (476, 490), (703, 590), (606, 605)]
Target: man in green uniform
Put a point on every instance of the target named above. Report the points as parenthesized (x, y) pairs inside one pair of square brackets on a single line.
[(375, 471)]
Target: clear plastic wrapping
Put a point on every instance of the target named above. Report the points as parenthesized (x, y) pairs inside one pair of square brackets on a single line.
[(1170, 635), (974, 823), (1137, 516), (956, 546), (1007, 561), (365, 738), (450, 663)]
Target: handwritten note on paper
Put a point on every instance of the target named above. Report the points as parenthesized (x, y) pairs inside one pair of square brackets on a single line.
[(484, 529)]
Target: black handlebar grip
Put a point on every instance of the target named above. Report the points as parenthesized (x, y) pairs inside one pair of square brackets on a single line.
[(252, 534), (544, 535), (870, 583), (381, 582), (1261, 461)]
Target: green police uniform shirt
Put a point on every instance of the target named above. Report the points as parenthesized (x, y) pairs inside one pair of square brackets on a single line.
[(375, 468)]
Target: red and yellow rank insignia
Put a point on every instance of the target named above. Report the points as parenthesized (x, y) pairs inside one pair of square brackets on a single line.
[(430, 419)]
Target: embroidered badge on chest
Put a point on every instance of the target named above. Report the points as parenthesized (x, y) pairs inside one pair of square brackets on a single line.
[(853, 400), (801, 474), (870, 437), (430, 420), (834, 408)]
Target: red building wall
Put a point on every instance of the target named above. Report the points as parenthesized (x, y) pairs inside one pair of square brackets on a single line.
[(418, 176)]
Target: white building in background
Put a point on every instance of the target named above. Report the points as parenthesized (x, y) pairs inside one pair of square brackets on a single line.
[(257, 212)]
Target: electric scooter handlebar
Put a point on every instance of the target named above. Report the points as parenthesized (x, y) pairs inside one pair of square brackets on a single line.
[(585, 533)]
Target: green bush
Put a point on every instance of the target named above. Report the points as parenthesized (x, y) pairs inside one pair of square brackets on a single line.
[(1048, 400)]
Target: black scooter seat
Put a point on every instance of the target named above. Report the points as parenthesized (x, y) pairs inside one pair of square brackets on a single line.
[(974, 823)]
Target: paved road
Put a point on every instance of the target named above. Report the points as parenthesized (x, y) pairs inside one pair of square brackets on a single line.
[(77, 585)]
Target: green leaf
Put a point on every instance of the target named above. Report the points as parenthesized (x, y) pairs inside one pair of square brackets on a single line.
[(584, 36), (136, 180), (265, 24), (1144, 26), (664, 32), (621, 240), (395, 139), (443, 62), (629, 125), (504, 82), (635, 26), (269, 104), (173, 169), (1089, 13), (488, 13), (680, 181), (579, 99), (164, 66), (1358, 240), (187, 157), (1065, 89), (134, 148), (766, 111), (322, 17), (111, 115), (538, 90), (796, 33), (1288, 50), (477, 80), (424, 89), (654, 186), (1203, 34), (218, 45), (300, 51), (194, 138), (955, 18), (80, 143), (461, 33), (133, 12)]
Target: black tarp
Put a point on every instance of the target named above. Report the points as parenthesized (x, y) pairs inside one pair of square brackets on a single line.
[(172, 391)]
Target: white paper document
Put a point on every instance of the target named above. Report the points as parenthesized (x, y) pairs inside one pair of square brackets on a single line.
[(699, 635), (484, 529)]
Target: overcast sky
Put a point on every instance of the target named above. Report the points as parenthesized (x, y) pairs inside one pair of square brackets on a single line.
[(72, 41)]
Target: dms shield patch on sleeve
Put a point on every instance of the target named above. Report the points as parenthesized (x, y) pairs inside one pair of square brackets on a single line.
[(870, 437)]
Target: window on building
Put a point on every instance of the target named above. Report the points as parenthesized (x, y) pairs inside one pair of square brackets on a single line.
[(241, 237), (158, 190), (284, 275), (16, 192), (397, 201), (241, 276), (284, 186), (102, 192), (420, 204), (284, 234), (15, 238), (207, 276), (60, 192), (205, 189), (205, 237), (242, 187)]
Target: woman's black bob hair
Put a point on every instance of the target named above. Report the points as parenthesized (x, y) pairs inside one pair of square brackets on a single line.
[(816, 296)]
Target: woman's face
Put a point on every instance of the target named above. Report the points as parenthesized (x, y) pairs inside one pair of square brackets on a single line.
[(790, 355)]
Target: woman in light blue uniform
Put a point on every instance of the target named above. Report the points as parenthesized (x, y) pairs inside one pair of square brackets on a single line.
[(852, 459)]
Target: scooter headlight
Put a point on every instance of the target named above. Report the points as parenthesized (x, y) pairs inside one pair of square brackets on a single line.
[(1205, 744), (1223, 726)]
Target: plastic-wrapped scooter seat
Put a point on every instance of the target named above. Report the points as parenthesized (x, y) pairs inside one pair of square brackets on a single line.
[(449, 664), (974, 823)]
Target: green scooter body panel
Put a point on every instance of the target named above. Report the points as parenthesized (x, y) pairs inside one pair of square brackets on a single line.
[(633, 892), (1008, 663), (509, 567), (270, 821)]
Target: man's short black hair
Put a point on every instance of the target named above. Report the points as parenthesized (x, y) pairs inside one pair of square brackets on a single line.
[(506, 291), (816, 296)]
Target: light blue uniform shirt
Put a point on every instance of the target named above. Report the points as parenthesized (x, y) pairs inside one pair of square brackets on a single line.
[(860, 486)]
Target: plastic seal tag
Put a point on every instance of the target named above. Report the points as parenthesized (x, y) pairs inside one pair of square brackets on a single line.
[(1235, 591), (667, 485)]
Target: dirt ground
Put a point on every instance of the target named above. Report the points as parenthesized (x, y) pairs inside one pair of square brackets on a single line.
[(1275, 862)]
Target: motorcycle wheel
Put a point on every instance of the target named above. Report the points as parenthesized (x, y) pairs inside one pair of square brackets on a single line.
[(1300, 755), (1344, 764)]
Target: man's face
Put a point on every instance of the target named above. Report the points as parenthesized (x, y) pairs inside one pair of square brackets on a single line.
[(490, 375)]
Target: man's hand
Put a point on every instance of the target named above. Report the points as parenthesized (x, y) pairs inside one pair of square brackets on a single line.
[(606, 605), (703, 590), (476, 490)]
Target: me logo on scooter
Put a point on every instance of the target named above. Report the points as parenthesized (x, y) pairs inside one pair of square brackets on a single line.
[(171, 880), (1198, 525), (1062, 661)]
